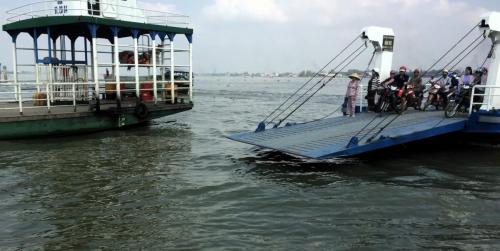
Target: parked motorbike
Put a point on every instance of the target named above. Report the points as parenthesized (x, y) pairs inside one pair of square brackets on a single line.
[(392, 99), (434, 99), (458, 102), (411, 99)]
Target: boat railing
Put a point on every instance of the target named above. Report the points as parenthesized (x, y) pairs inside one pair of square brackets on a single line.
[(69, 86), (46, 95), (482, 96), (43, 95), (105, 10)]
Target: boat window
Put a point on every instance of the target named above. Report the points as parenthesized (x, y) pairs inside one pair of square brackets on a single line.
[(94, 7)]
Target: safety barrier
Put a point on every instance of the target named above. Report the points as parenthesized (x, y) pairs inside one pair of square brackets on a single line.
[(484, 96)]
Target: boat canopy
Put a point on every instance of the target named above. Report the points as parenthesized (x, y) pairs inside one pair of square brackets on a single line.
[(75, 18), (73, 27)]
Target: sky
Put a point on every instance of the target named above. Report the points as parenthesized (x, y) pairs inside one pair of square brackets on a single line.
[(293, 35)]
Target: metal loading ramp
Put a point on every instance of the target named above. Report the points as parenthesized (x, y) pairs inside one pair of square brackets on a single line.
[(329, 138)]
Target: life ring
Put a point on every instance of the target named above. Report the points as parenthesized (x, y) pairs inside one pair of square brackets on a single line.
[(141, 111)]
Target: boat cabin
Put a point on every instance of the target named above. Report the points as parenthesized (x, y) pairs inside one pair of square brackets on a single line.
[(95, 55)]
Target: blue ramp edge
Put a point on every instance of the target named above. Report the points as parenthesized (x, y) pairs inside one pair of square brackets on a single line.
[(329, 138)]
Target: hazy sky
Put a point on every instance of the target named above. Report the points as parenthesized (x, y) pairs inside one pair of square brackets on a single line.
[(291, 35)]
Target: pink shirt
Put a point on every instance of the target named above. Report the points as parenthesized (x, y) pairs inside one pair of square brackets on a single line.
[(352, 89)]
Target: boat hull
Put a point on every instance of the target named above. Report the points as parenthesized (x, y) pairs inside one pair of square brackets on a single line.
[(79, 123)]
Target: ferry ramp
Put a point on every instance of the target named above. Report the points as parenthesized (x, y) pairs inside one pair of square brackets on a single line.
[(332, 137)]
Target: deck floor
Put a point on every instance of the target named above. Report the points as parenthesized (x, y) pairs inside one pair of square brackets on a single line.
[(10, 111), (329, 138)]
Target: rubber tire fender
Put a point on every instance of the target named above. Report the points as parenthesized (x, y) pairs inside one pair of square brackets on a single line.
[(141, 111)]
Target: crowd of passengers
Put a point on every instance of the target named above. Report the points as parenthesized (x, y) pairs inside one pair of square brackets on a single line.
[(401, 85)]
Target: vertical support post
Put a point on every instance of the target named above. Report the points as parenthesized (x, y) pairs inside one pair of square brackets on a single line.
[(54, 46), (73, 53), (51, 75), (155, 73), (86, 51), (162, 36), (116, 51), (17, 86), (37, 78), (48, 93), (73, 91), (35, 47), (49, 44), (95, 66), (135, 36), (162, 61), (171, 36), (190, 40)]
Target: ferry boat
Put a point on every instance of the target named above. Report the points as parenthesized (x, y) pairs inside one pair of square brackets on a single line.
[(96, 65), (332, 137)]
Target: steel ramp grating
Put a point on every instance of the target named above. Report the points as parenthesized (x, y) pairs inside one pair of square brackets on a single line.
[(329, 138)]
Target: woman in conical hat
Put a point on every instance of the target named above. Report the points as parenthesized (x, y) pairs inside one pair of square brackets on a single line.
[(351, 93)]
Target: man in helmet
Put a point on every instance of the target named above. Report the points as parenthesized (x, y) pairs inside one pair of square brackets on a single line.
[(401, 80), (373, 84), (418, 87)]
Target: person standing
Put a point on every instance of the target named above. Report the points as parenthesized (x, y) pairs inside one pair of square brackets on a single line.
[(373, 84), (468, 78), (351, 94)]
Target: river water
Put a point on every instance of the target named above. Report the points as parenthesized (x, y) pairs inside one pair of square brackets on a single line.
[(178, 184)]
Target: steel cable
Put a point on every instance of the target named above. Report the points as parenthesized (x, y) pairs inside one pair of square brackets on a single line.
[(321, 87), (314, 76), (317, 83)]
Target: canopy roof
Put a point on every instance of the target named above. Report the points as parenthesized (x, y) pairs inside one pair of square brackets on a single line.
[(78, 26)]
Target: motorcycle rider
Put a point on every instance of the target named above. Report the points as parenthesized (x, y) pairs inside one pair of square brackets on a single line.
[(455, 83), (383, 93), (444, 83), (373, 85), (418, 87), (399, 81), (390, 79)]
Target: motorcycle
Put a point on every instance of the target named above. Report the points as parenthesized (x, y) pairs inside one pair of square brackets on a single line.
[(458, 102), (391, 98), (411, 99), (434, 99)]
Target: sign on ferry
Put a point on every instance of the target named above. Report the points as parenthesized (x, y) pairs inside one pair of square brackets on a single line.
[(61, 8)]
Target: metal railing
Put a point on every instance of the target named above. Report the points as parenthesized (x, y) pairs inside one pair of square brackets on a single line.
[(68, 86), (98, 9), (21, 96), (24, 95), (484, 96)]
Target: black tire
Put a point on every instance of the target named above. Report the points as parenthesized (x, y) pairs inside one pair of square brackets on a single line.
[(383, 106), (400, 108), (380, 104), (451, 110), (141, 111), (427, 104)]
